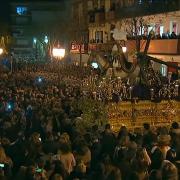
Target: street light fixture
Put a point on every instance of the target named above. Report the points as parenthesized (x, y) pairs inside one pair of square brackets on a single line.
[(124, 49), (1, 51), (58, 53)]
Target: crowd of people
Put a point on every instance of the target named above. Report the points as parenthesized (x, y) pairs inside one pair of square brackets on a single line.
[(166, 35), (40, 137)]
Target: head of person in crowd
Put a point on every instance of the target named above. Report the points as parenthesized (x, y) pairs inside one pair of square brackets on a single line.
[(169, 171), (122, 132), (175, 131), (175, 125), (64, 138), (35, 138), (108, 129), (164, 141), (146, 127), (79, 171)]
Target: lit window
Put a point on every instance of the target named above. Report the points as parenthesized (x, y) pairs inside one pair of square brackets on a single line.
[(21, 10)]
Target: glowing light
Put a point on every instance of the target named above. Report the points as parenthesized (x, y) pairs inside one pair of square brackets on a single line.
[(9, 106), (46, 39), (94, 65), (39, 79), (124, 49), (58, 53), (34, 40), (1, 51)]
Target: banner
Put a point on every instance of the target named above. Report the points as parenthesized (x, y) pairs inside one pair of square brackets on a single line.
[(78, 48)]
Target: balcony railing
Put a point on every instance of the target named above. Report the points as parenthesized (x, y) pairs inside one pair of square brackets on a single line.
[(157, 46)]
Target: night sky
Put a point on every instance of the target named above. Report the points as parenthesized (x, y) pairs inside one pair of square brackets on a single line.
[(4, 10)]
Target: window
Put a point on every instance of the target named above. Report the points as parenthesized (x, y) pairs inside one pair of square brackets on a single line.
[(21, 10), (99, 36)]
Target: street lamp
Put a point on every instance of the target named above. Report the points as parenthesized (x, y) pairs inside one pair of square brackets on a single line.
[(1, 51), (58, 53), (124, 49)]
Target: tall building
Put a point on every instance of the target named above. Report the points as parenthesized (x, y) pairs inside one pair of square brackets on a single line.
[(36, 24), (79, 21)]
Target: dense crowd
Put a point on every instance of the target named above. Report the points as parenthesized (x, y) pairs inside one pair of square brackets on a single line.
[(40, 137)]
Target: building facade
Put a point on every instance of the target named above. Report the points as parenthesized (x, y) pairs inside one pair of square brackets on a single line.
[(163, 17)]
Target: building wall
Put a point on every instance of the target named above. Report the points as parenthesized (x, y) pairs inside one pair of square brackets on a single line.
[(41, 19), (79, 20), (163, 20)]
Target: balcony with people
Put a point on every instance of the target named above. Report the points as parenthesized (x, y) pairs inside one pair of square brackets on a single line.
[(165, 43)]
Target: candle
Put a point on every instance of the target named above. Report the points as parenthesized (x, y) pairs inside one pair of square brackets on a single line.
[(177, 90), (152, 93), (130, 91)]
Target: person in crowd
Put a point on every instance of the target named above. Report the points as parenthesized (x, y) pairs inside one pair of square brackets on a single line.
[(79, 172), (147, 137), (141, 163), (164, 144), (66, 157), (173, 35), (4, 159), (108, 140)]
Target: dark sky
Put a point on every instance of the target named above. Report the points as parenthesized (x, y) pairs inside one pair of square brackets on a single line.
[(4, 10)]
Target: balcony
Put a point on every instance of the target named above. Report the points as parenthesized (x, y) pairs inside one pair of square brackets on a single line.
[(147, 8), (157, 46)]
